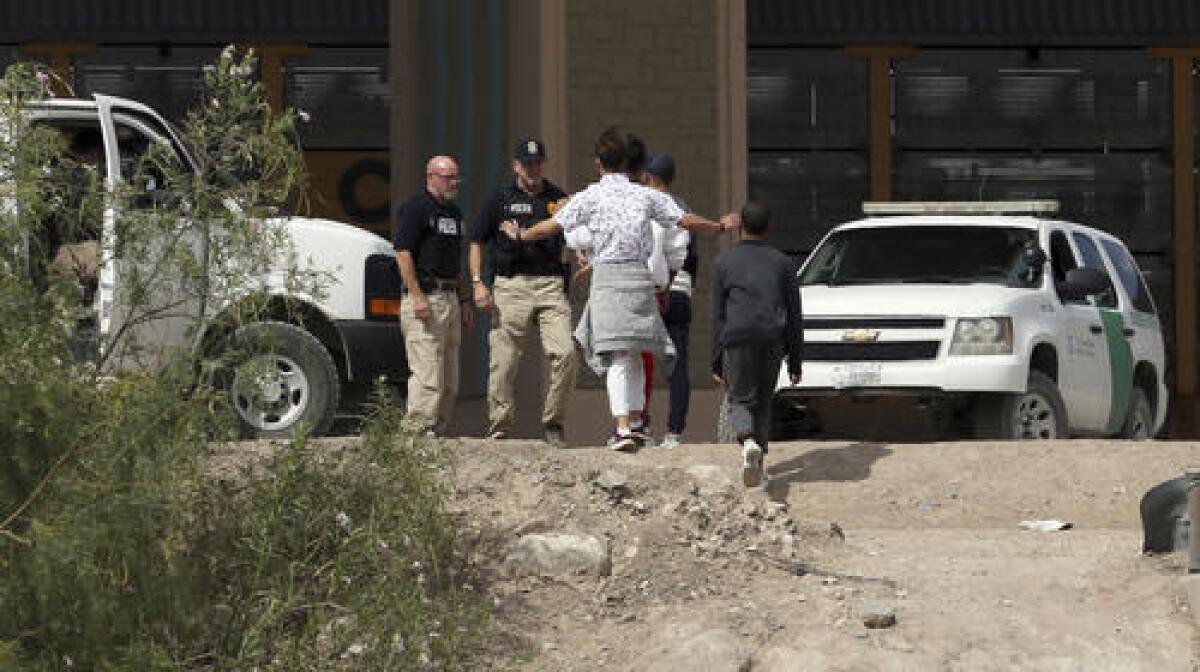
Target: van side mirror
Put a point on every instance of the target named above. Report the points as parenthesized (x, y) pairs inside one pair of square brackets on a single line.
[(1082, 283)]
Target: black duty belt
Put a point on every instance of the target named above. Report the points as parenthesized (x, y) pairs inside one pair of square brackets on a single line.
[(436, 285), (549, 269)]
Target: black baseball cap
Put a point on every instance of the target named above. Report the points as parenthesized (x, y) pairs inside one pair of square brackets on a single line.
[(529, 150), (661, 166)]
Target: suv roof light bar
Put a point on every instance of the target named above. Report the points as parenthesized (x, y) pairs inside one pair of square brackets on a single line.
[(1031, 207)]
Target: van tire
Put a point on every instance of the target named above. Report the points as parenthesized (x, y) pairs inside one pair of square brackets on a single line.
[(1036, 414), (279, 377), (1139, 423)]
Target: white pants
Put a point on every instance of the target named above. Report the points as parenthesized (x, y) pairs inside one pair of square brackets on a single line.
[(626, 383)]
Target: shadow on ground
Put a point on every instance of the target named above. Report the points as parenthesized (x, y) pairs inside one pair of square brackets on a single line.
[(851, 462)]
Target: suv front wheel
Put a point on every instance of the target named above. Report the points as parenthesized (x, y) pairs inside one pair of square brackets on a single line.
[(1037, 414)]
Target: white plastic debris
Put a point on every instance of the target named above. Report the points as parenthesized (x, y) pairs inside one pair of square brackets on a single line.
[(1045, 525)]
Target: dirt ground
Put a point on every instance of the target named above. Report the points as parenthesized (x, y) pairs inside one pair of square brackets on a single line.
[(927, 532)]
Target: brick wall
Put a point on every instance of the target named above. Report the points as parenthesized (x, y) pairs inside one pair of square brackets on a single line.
[(650, 67)]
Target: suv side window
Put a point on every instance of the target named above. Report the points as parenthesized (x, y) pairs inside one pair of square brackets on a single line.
[(1062, 259), (1131, 279), (1092, 259)]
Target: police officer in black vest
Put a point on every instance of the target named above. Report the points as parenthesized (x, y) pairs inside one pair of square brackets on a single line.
[(435, 306), (529, 291)]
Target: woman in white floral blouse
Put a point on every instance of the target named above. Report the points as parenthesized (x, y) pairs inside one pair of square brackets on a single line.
[(621, 319)]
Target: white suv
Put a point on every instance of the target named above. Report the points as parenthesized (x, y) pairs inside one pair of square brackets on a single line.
[(1010, 323)]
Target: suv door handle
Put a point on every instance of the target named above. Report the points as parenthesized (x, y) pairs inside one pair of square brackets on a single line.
[(1096, 329), (1129, 332)]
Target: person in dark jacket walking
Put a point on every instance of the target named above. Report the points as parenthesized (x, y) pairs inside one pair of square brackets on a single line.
[(755, 324)]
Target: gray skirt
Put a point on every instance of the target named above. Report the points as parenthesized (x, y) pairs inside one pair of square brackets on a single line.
[(621, 315)]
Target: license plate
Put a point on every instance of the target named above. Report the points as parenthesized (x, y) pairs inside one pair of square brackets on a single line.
[(857, 375)]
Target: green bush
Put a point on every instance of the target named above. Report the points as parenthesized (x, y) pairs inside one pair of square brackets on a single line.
[(123, 544), (95, 570), (343, 559), (136, 556)]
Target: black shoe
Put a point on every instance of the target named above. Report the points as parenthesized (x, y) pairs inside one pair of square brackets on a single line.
[(624, 443), (641, 433)]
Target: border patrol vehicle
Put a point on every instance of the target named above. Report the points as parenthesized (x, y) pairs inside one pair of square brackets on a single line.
[(312, 349), (1009, 323)]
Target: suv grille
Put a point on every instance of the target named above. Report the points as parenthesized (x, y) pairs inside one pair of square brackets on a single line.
[(875, 323), (896, 351)]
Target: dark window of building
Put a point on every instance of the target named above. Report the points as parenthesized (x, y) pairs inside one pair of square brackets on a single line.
[(805, 99), (168, 80), (1042, 98), (1128, 195), (344, 92), (808, 193), (807, 135)]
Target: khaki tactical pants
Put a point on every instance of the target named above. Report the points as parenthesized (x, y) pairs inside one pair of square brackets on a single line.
[(432, 346), (522, 301)]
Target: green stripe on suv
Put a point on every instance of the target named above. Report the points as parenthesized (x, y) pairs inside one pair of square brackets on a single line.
[(1120, 366)]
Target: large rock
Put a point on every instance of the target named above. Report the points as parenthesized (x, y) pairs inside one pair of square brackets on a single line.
[(696, 650), (562, 554), (876, 614), (615, 483)]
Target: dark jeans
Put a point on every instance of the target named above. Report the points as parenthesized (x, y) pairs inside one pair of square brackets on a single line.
[(751, 371), (678, 319)]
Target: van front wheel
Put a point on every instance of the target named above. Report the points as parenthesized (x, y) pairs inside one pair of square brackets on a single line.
[(278, 377)]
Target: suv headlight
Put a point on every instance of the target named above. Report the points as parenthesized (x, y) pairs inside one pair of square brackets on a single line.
[(982, 336)]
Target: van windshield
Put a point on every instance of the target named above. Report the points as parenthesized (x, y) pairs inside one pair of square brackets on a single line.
[(923, 255)]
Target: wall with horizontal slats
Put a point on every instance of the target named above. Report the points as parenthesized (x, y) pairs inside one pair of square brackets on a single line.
[(194, 21)]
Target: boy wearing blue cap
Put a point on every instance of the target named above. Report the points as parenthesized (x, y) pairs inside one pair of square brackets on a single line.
[(680, 252)]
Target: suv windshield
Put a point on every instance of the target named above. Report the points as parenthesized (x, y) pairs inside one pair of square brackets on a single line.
[(922, 254)]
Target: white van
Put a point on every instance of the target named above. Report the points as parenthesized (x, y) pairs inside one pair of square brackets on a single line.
[(1011, 323), (318, 346)]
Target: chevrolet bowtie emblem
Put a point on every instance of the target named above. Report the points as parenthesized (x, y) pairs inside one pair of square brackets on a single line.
[(860, 336)]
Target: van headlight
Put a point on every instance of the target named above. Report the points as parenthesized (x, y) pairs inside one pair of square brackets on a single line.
[(982, 336)]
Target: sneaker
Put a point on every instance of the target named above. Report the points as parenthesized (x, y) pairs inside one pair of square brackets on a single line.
[(498, 435), (670, 441), (641, 434), (554, 436), (752, 463), (623, 442)]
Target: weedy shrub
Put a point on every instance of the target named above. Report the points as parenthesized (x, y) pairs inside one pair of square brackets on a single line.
[(95, 565), (342, 560), (120, 546)]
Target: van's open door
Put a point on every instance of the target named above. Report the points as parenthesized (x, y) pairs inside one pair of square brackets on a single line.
[(105, 301), (153, 268)]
